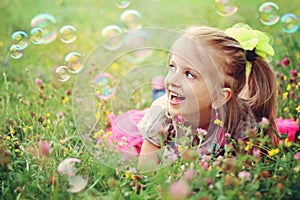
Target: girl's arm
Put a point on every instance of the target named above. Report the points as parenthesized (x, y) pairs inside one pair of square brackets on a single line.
[(148, 158)]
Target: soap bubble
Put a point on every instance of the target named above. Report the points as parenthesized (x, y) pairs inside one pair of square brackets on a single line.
[(67, 34), (110, 33), (61, 73), (103, 84), (47, 23), (16, 51), (122, 3), (289, 23), (226, 7), (20, 38), (76, 182), (73, 61), (36, 35), (135, 40), (131, 19), (269, 13)]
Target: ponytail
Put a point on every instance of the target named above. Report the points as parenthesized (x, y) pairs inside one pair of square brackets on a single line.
[(262, 92)]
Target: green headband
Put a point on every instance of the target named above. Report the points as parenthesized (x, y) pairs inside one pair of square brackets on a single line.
[(250, 40)]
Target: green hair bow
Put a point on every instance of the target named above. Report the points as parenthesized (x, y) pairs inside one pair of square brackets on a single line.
[(250, 39)]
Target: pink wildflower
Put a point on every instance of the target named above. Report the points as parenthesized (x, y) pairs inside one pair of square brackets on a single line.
[(60, 114), (189, 174), (293, 72), (179, 190), (245, 175), (297, 156), (285, 62), (264, 122), (38, 82), (44, 148), (256, 153)]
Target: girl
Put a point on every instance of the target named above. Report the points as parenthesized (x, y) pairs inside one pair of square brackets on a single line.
[(218, 82)]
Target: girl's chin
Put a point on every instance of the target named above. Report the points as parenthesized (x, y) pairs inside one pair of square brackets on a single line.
[(174, 111)]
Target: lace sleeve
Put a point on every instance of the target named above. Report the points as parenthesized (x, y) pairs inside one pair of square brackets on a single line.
[(152, 125)]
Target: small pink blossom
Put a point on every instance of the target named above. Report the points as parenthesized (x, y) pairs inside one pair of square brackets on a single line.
[(285, 62), (264, 122), (245, 175), (38, 82), (205, 165), (60, 114), (293, 72), (179, 190), (189, 174), (180, 119), (297, 156), (201, 131), (292, 94), (256, 153), (44, 148)]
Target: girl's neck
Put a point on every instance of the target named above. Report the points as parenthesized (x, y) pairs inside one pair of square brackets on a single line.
[(194, 121)]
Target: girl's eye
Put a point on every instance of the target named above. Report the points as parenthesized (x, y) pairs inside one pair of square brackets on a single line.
[(189, 75), (172, 67)]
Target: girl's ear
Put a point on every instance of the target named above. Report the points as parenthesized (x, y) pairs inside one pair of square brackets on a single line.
[(227, 94)]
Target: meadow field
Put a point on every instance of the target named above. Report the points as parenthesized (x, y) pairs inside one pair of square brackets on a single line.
[(67, 67)]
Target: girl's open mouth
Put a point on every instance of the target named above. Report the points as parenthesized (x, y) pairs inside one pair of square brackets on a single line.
[(175, 98)]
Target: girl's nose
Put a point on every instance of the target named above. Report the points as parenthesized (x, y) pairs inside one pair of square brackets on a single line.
[(173, 79)]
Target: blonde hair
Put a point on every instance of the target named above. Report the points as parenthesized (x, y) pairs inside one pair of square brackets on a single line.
[(258, 90)]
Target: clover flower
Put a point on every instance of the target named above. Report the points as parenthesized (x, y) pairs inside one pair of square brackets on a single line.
[(44, 148), (244, 175)]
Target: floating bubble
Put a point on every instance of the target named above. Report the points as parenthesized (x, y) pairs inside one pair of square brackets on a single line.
[(67, 167), (16, 51), (47, 23), (269, 13), (137, 40), (110, 33), (226, 7), (103, 84), (67, 34), (73, 62), (131, 19), (20, 38), (122, 3), (289, 23), (61, 73), (36, 35)]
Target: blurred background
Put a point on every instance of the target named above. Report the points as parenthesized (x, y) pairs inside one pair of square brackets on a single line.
[(53, 28)]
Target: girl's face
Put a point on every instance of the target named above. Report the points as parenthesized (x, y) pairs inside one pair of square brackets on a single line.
[(187, 92)]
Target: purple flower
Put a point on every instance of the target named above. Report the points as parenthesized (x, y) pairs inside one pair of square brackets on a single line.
[(44, 148), (245, 175), (179, 190)]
